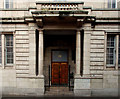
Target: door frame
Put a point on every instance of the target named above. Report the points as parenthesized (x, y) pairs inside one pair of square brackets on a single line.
[(67, 50)]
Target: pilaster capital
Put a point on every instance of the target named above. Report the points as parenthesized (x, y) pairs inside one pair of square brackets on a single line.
[(40, 31), (78, 32)]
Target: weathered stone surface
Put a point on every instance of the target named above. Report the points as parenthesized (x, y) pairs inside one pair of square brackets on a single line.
[(81, 84), (20, 78), (82, 92)]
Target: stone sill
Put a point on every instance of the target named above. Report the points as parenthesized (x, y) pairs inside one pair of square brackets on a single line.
[(31, 77), (88, 78)]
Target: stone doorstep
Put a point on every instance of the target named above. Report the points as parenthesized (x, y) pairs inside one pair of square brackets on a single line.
[(59, 94), (59, 91), (47, 92), (59, 88)]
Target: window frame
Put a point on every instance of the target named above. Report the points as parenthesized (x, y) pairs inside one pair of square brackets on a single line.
[(10, 3), (1, 48), (114, 53), (4, 65), (118, 50), (110, 2), (5, 52), (117, 36)]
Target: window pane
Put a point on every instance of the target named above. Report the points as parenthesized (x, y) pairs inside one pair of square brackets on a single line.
[(110, 59), (113, 3), (6, 4), (11, 3), (119, 52), (109, 3), (0, 51), (9, 49)]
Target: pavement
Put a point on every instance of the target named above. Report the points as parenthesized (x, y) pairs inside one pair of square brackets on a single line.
[(59, 97)]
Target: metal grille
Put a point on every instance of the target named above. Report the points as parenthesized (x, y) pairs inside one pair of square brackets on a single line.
[(9, 49), (111, 50), (59, 56), (0, 51)]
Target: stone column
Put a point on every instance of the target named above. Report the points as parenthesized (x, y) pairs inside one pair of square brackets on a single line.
[(81, 84), (41, 53), (78, 53)]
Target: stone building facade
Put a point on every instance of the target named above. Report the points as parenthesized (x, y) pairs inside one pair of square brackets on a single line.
[(72, 43)]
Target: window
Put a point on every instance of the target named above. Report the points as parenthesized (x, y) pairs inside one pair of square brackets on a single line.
[(9, 49), (113, 50), (110, 50), (8, 4), (0, 51), (119, 52), (112, 3)]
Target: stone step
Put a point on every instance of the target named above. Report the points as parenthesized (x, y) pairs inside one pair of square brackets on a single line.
[(59, 95), (59, 88), (52, 92), (59, 91)]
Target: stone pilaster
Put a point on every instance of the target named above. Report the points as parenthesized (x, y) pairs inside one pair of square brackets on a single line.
[(32, 47), (86, 53), (41, 53)]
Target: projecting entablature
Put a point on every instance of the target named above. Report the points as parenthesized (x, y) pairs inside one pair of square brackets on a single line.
[(62, 13)]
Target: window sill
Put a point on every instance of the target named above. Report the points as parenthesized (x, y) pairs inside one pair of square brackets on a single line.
[(9, 65), (110, 66)]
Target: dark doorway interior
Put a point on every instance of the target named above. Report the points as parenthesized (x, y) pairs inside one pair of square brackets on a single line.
[(59, 40)]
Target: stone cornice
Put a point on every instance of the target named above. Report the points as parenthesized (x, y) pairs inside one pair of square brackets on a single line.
[(88, 18)]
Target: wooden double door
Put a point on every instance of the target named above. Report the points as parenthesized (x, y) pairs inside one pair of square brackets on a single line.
[(59, 73)]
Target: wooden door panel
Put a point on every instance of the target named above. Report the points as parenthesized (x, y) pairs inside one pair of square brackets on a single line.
[(55, 81), (59, 73), (64, 73), (55, 73)]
